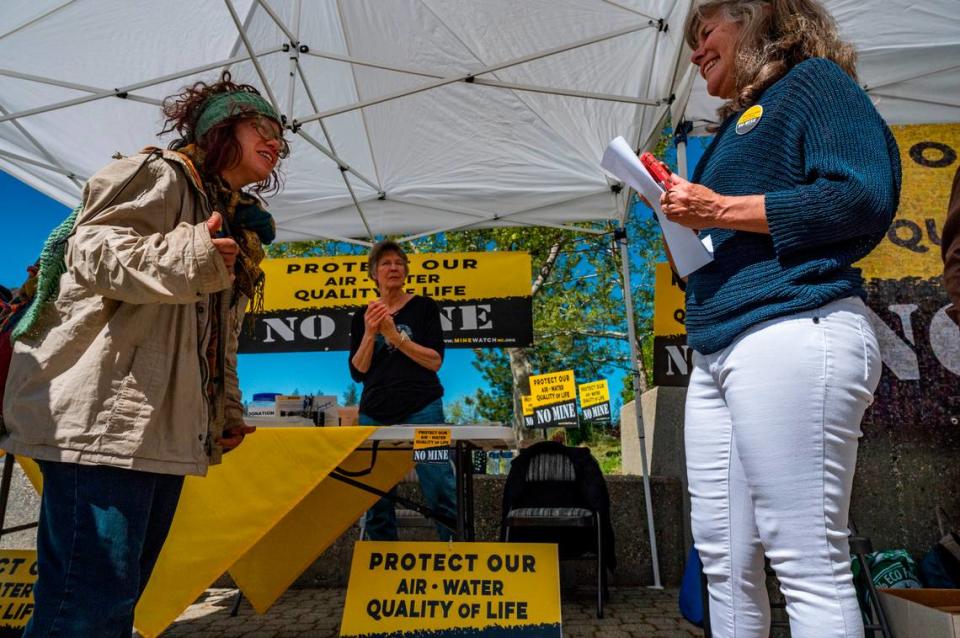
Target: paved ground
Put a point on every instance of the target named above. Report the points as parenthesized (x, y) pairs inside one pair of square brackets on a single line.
[(632, 612)]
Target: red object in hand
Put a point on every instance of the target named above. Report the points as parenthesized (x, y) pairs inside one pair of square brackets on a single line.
[(657, 169)]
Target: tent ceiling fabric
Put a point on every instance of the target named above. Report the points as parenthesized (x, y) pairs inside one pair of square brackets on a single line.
[(908, 59), (457, 154), (442, 153)]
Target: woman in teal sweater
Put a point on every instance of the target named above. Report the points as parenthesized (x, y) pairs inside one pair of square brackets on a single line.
[(801, 181)]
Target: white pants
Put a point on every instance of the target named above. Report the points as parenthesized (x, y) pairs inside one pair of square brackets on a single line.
[(772, 423)]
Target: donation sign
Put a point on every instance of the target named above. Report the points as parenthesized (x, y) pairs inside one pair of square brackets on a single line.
[(554, 398), (484, 300), (18, 573), (595, 401), (431, 445), (442, 590)]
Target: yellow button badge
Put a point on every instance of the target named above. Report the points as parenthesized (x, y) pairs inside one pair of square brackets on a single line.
[(749, 119)]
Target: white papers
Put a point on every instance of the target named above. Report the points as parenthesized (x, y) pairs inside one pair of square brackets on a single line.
[(688, 252)]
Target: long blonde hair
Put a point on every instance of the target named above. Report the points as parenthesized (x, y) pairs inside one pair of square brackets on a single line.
[(776, 36)]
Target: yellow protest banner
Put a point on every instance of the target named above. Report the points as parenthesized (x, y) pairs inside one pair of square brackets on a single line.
[(554, 399), (452, 589), (912, 245), (668, 303), (308, 302), (18, 573)]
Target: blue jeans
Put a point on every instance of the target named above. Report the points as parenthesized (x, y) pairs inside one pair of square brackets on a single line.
[(101, 530), (436, 481)]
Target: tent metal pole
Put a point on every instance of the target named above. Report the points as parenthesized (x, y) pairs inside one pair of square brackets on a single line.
[(905, 98), (635, 374), (291, 36), (76, 87), (50, 167), (326, 55), (133, 87), (338, 238), (532, 88), (37, 19), (47, 154), (342, 164), (294, 58), (253, 56), (464, 77)]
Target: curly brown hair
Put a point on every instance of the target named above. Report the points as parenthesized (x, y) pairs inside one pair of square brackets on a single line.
[(777, 35), (219, 144)]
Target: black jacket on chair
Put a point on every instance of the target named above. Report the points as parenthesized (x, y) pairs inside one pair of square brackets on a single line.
[(588, 491)]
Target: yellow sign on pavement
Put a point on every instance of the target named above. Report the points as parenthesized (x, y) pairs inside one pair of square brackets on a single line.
[(452, 589), (18, 573)]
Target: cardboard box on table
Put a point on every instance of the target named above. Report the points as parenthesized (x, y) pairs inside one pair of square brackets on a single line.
[(922, 613)]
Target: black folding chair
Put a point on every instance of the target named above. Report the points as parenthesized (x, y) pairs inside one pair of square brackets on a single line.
[(547, 498)]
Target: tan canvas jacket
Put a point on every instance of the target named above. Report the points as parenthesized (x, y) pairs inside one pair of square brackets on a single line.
[(114, 373)]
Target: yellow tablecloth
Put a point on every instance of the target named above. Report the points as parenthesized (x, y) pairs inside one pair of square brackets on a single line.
[(265, 514)]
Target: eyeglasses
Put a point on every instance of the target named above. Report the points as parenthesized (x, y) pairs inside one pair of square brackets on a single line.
[(269, 130)]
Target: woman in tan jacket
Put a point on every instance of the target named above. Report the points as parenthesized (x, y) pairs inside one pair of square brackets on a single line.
[(125, 378)]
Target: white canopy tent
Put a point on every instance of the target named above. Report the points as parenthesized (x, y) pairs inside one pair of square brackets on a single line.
[(411, 117)]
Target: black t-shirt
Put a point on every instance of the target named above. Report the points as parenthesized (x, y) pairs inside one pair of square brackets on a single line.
[(396, 386)]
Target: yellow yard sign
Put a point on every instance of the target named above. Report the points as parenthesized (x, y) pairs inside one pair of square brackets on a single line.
[(595, 401), (593, 393), (452, 589), (552, 387), (526, 402), (554, 399)]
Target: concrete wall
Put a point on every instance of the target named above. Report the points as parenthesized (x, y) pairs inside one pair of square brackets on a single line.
[(629, 524), (906, 465)]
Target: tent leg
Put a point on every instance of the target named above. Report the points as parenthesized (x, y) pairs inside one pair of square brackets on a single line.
[(621, 236)]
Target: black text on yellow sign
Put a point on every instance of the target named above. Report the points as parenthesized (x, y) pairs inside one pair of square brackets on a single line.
[(671, 354), (595, 401), (431, 445), (484, 300), (444, 590), (554, 400), (18, 573)]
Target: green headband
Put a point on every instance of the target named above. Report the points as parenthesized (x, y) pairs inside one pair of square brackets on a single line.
[(223, 105)]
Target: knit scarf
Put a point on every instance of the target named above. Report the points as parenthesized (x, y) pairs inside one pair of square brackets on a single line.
[(244, 221)]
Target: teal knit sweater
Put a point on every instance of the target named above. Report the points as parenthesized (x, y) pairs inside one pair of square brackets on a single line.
[(830, 170)]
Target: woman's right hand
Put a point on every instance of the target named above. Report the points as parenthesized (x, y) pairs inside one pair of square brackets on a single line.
[(372, 317)]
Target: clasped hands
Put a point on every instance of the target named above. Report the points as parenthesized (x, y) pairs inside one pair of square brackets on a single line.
[(377, 318)]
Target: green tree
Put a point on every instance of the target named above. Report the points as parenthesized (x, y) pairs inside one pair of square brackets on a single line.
[(351, 396)]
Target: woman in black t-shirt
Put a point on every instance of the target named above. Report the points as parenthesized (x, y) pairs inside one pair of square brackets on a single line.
[(396, 348)]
